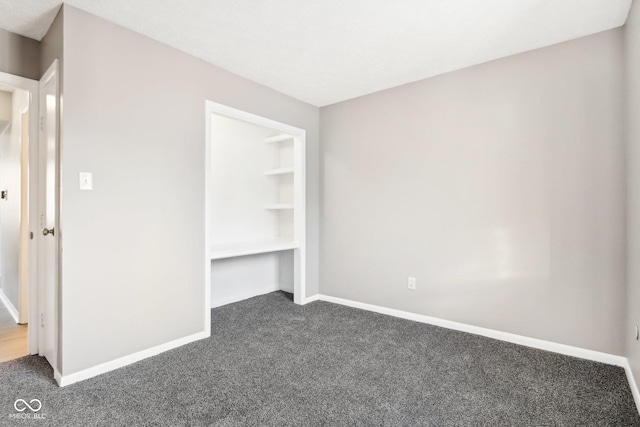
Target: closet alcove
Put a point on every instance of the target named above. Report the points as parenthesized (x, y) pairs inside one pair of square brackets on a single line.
[(255, 206)]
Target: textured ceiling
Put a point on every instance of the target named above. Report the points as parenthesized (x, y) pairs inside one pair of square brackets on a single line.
[(326, 51)]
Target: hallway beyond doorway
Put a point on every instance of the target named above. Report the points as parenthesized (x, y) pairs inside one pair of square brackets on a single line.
[(13, 337)]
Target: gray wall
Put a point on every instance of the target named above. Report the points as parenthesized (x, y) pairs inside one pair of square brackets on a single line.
[(19, 55), (632, 56), (133, 248), (500, 187), (52, 46)]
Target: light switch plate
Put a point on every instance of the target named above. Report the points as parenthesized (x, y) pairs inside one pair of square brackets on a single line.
[(86, 181)]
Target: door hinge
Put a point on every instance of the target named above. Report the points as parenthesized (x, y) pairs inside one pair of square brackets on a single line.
[(41, 122), (42, 320)]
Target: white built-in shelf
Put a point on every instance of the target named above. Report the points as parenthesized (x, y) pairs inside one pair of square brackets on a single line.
[(279, 206), (278, 138), (278, 171), (251, 248)]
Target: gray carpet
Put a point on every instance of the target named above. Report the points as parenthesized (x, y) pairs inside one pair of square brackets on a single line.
[(272, 363)]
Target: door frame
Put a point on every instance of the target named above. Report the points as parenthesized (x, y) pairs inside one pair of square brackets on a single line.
[(32, 86)]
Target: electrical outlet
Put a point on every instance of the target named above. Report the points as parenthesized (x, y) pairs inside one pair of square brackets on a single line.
[(411, 283)]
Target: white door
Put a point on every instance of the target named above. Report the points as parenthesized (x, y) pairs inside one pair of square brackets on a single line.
[(48, 200)]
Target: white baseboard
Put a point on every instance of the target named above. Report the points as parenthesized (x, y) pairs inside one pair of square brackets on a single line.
[(632, 384), (64, 380), (242, 296), (57, 376), (12, 309), (312, 298), (568, 350)]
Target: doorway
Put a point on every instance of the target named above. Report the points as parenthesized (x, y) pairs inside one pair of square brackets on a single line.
[(18, 122), (34, 302)]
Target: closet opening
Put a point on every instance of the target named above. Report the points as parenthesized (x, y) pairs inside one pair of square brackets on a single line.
[(255, 206)]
